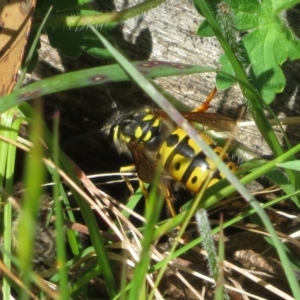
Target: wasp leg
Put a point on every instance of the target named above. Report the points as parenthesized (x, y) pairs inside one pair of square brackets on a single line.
[(130, 168), (144, 189), (204, 106), (168, 197)]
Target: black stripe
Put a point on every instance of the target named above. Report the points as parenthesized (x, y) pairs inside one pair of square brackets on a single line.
[(216, 175), (185, 149), (177, 149)]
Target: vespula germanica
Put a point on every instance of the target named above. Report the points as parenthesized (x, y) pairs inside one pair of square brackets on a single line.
[(154, 141)]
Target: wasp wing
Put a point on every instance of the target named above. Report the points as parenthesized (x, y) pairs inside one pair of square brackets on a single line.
[(214, 121), (145, 166)]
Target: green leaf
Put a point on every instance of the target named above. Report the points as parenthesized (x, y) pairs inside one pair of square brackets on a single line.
[(66, 41), (71, 41), (205, 30), (267, 45), (293, 165)]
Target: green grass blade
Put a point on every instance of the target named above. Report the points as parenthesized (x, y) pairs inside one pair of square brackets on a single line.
[(59, 223), (94, 76), (33, 179), (31, 51), (154, 205), (220, 290), (6, 173)]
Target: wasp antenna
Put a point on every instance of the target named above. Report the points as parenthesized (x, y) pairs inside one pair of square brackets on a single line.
[(113, 102)]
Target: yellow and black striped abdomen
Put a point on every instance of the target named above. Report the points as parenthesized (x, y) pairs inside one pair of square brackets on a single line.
[(185, 161)]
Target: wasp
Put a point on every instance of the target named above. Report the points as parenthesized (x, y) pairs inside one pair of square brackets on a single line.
[(154, 141)]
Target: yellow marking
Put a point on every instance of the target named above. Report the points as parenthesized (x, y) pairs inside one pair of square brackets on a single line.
[(201, 175), (232, 166), (130, 168), (116, 132), (138, 132), (148, 117), (165, 152), (184, 164), (148, 136), (156, 123)]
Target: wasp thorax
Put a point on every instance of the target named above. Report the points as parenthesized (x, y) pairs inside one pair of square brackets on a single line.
[(139, 127)]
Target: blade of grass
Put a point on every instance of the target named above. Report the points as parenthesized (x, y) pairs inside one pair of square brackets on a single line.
[(33, 179), (154, 206), (7, 171), (31, 51), (59, 224), (95, 76), (73, 237), (220, 290)]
